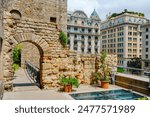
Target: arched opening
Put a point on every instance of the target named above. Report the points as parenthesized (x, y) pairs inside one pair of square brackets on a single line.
[(16, 14), (30, 65)]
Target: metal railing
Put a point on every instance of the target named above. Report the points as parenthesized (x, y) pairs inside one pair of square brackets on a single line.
[(1, 90), (130, 70), (33, 71), (134, 71)]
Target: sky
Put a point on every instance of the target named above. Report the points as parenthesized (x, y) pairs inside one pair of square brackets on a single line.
[(106, 7)]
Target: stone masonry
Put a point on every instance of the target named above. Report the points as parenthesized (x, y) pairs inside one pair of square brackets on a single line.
[(29, 28)]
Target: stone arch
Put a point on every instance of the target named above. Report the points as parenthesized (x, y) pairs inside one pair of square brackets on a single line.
[(40, 43), (10, 43), (16, 14)]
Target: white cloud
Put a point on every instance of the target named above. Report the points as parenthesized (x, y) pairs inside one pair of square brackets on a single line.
[(103, 7)]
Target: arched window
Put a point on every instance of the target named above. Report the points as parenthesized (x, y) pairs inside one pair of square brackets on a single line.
[(75, 21), (82, 22), (16, 14), (96, 25)]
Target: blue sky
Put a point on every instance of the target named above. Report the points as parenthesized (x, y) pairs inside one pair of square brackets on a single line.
[(104, 7)]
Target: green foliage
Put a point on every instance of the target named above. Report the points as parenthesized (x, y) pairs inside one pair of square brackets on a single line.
[(16, 54), (63, 39), (15, 67), (104, 74), (16, 57), (120, 70), (143, 98), (126, 11), (69, 81)]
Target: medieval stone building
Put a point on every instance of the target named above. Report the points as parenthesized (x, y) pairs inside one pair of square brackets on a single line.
[(35, 24)]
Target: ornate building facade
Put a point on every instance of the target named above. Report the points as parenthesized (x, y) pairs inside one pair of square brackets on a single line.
[(84, 32)]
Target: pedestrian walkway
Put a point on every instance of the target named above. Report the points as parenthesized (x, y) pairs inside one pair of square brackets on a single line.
[(22, 82), (25, 89)]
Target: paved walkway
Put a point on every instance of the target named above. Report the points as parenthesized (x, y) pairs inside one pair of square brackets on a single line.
[(25, 89)]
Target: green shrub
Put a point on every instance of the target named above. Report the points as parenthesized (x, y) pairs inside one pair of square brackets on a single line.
[(120, 70), (63, 39), (143, 98), (15, 67), (17, 54), (69, 81)]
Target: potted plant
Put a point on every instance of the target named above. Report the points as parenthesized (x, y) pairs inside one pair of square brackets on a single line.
[(104, 71), (97, 78), (68, 83)]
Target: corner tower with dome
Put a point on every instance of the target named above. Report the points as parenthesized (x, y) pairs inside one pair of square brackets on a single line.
[(84, 32)]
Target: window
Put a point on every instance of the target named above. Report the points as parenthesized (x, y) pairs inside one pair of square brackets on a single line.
[(53, 19), (96, 25), (146, 29), (146, 36), (75, 36), (89, 37), (16, 14), (96, 31), (89, 30), (129, 44), (82, 22), (83, 30), (82, 36), (134, 39), (75, 29), (146, 49), (89, 43), (146, 64), (129, 38), (75, 21), (129, 33), (146, 43), (146, 56)]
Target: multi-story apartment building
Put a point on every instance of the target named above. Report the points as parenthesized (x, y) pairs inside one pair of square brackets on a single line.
[(146, 45), (84, 32), (121, 34)]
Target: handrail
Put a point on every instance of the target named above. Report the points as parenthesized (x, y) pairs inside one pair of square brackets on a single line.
[(33, 71), (1, 89)]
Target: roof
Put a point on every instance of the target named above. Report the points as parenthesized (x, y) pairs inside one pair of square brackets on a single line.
[(94, 15)]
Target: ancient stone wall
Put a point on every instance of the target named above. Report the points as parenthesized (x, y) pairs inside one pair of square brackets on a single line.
[(44, 10), (24, 25)]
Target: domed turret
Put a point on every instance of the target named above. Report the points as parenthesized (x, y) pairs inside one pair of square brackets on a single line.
[(94, 15)]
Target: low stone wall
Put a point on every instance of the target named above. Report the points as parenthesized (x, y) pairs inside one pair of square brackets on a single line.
[(133, 84)]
